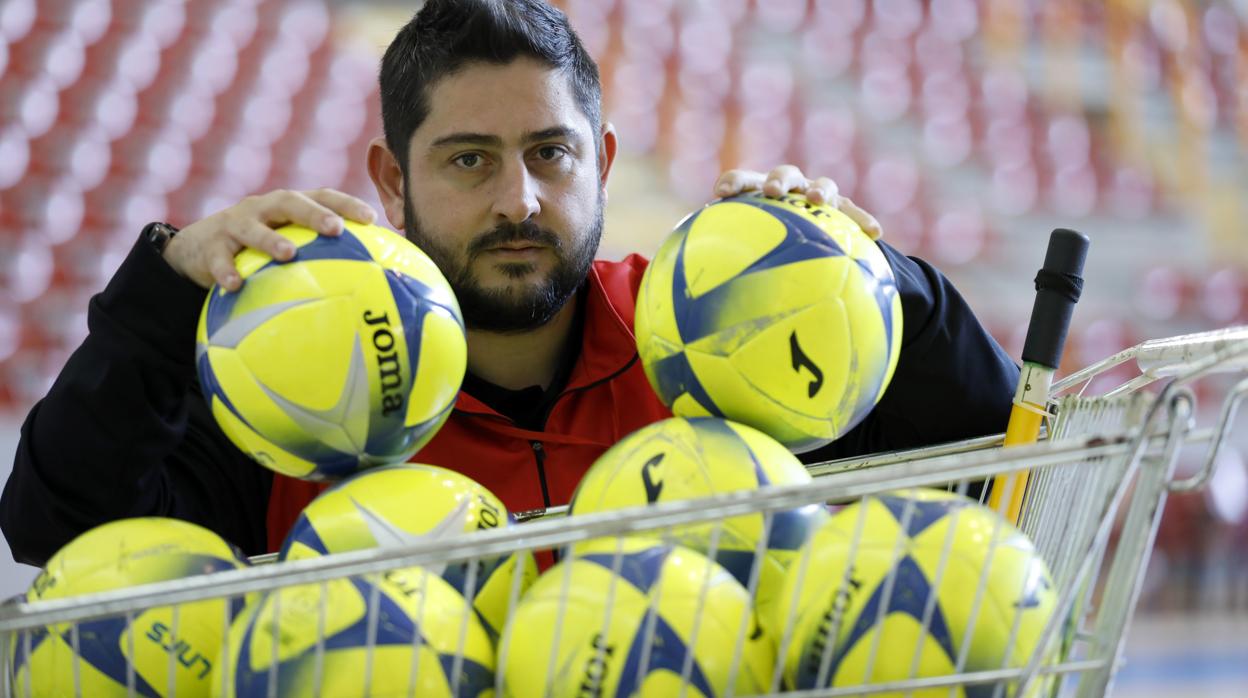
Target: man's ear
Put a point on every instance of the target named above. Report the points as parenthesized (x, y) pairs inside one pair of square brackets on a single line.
[(387, 176), (607, 145)]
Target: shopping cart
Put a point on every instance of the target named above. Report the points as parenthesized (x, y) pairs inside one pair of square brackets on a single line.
[(1097, 488)]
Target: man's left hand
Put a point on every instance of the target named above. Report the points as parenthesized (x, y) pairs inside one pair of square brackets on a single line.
[(788, 178)]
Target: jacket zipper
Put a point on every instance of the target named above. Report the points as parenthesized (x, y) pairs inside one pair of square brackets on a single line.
[(539, 451), (539, 454)]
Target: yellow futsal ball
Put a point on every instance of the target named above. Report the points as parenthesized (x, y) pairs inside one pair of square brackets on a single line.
[(117, 555), (602, 625), (402, 634), (838, 638), (775, 313), (399, 504), (677, 459), (347, 356)]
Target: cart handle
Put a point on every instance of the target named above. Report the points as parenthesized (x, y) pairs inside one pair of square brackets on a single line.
[(1229, 408), (1171, 356)]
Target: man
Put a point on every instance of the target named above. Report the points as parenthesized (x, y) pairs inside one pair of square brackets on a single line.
[(495, 161)]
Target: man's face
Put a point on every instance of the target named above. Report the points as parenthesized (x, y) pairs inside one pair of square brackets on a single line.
[(504, 192)]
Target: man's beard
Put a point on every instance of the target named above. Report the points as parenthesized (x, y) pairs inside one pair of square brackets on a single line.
[(510, 310)]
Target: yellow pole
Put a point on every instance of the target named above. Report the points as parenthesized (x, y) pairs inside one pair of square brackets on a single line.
[(1026, 416)]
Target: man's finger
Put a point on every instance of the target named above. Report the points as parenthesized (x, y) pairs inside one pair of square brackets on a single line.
[(783, 180), (343, 204), (823, 191), (261, 237), (283, 206), (734, 182), (223, 271), (865, 220)]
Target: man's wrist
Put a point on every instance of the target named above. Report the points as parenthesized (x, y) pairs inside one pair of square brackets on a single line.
[(158, 234)]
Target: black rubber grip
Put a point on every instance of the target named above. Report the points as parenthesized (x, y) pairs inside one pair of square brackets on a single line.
[(1058, 286)]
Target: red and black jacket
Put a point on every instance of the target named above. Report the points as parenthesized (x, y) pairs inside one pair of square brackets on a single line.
[(605, 398)]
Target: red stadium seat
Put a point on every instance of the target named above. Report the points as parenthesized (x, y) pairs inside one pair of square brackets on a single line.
[(1007, 141), (283, 70), (353, 74), (32, 105), (25, 268), (886, 93), (828, 47), (959, 234), (192, 112), (29, 373), (953, 20), (64, 59), (60, 316), (16, 19), (766, 85), (704, 43), (244, 167), (138, 64), (906, 229), (304, 23), (14, 156), (698, 133), (90, 20), (214, 66), (82, 156), (11, 330), (319, 167), (848, 14), (945, 92), (1073, 191), (781, 16), (880, 51), (647, 36), (113, 107), (1164, 294), (892, 184), (897, 18), (948, 139), (62, 213), (829, 131), (1003, 94), (692, 175), (704, 86), (234, 23), (1132, 192), (264, 117), (1224, 297), (337, 119), (162, 23), (763, 138), (1015, 188)]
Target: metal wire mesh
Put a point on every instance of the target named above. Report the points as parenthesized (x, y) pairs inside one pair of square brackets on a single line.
[(1098, 484)]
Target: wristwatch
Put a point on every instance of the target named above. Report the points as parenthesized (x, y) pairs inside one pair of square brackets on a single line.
[(159, 234)]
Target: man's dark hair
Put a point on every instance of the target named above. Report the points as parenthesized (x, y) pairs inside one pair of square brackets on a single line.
[(445, 35)]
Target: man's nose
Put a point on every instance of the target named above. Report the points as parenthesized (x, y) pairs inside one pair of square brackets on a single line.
[(516, 197)]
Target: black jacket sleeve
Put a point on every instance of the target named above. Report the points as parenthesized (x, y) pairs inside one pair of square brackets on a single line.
[(953, 381), (125, 431)]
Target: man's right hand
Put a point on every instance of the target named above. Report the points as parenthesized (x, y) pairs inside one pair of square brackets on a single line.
[(204, 251)]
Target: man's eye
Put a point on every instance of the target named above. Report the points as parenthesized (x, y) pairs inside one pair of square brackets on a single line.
[(550, 152), (468, 161)]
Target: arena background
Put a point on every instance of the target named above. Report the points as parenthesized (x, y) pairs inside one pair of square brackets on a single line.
[(971, 128)]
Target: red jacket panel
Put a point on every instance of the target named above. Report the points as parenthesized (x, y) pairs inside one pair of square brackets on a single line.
[(606, 398)]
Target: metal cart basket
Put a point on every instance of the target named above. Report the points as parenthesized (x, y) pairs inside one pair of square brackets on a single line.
[(1098, 484)]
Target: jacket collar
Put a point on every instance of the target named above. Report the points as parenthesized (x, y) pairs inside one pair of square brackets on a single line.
[(608, 345)]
